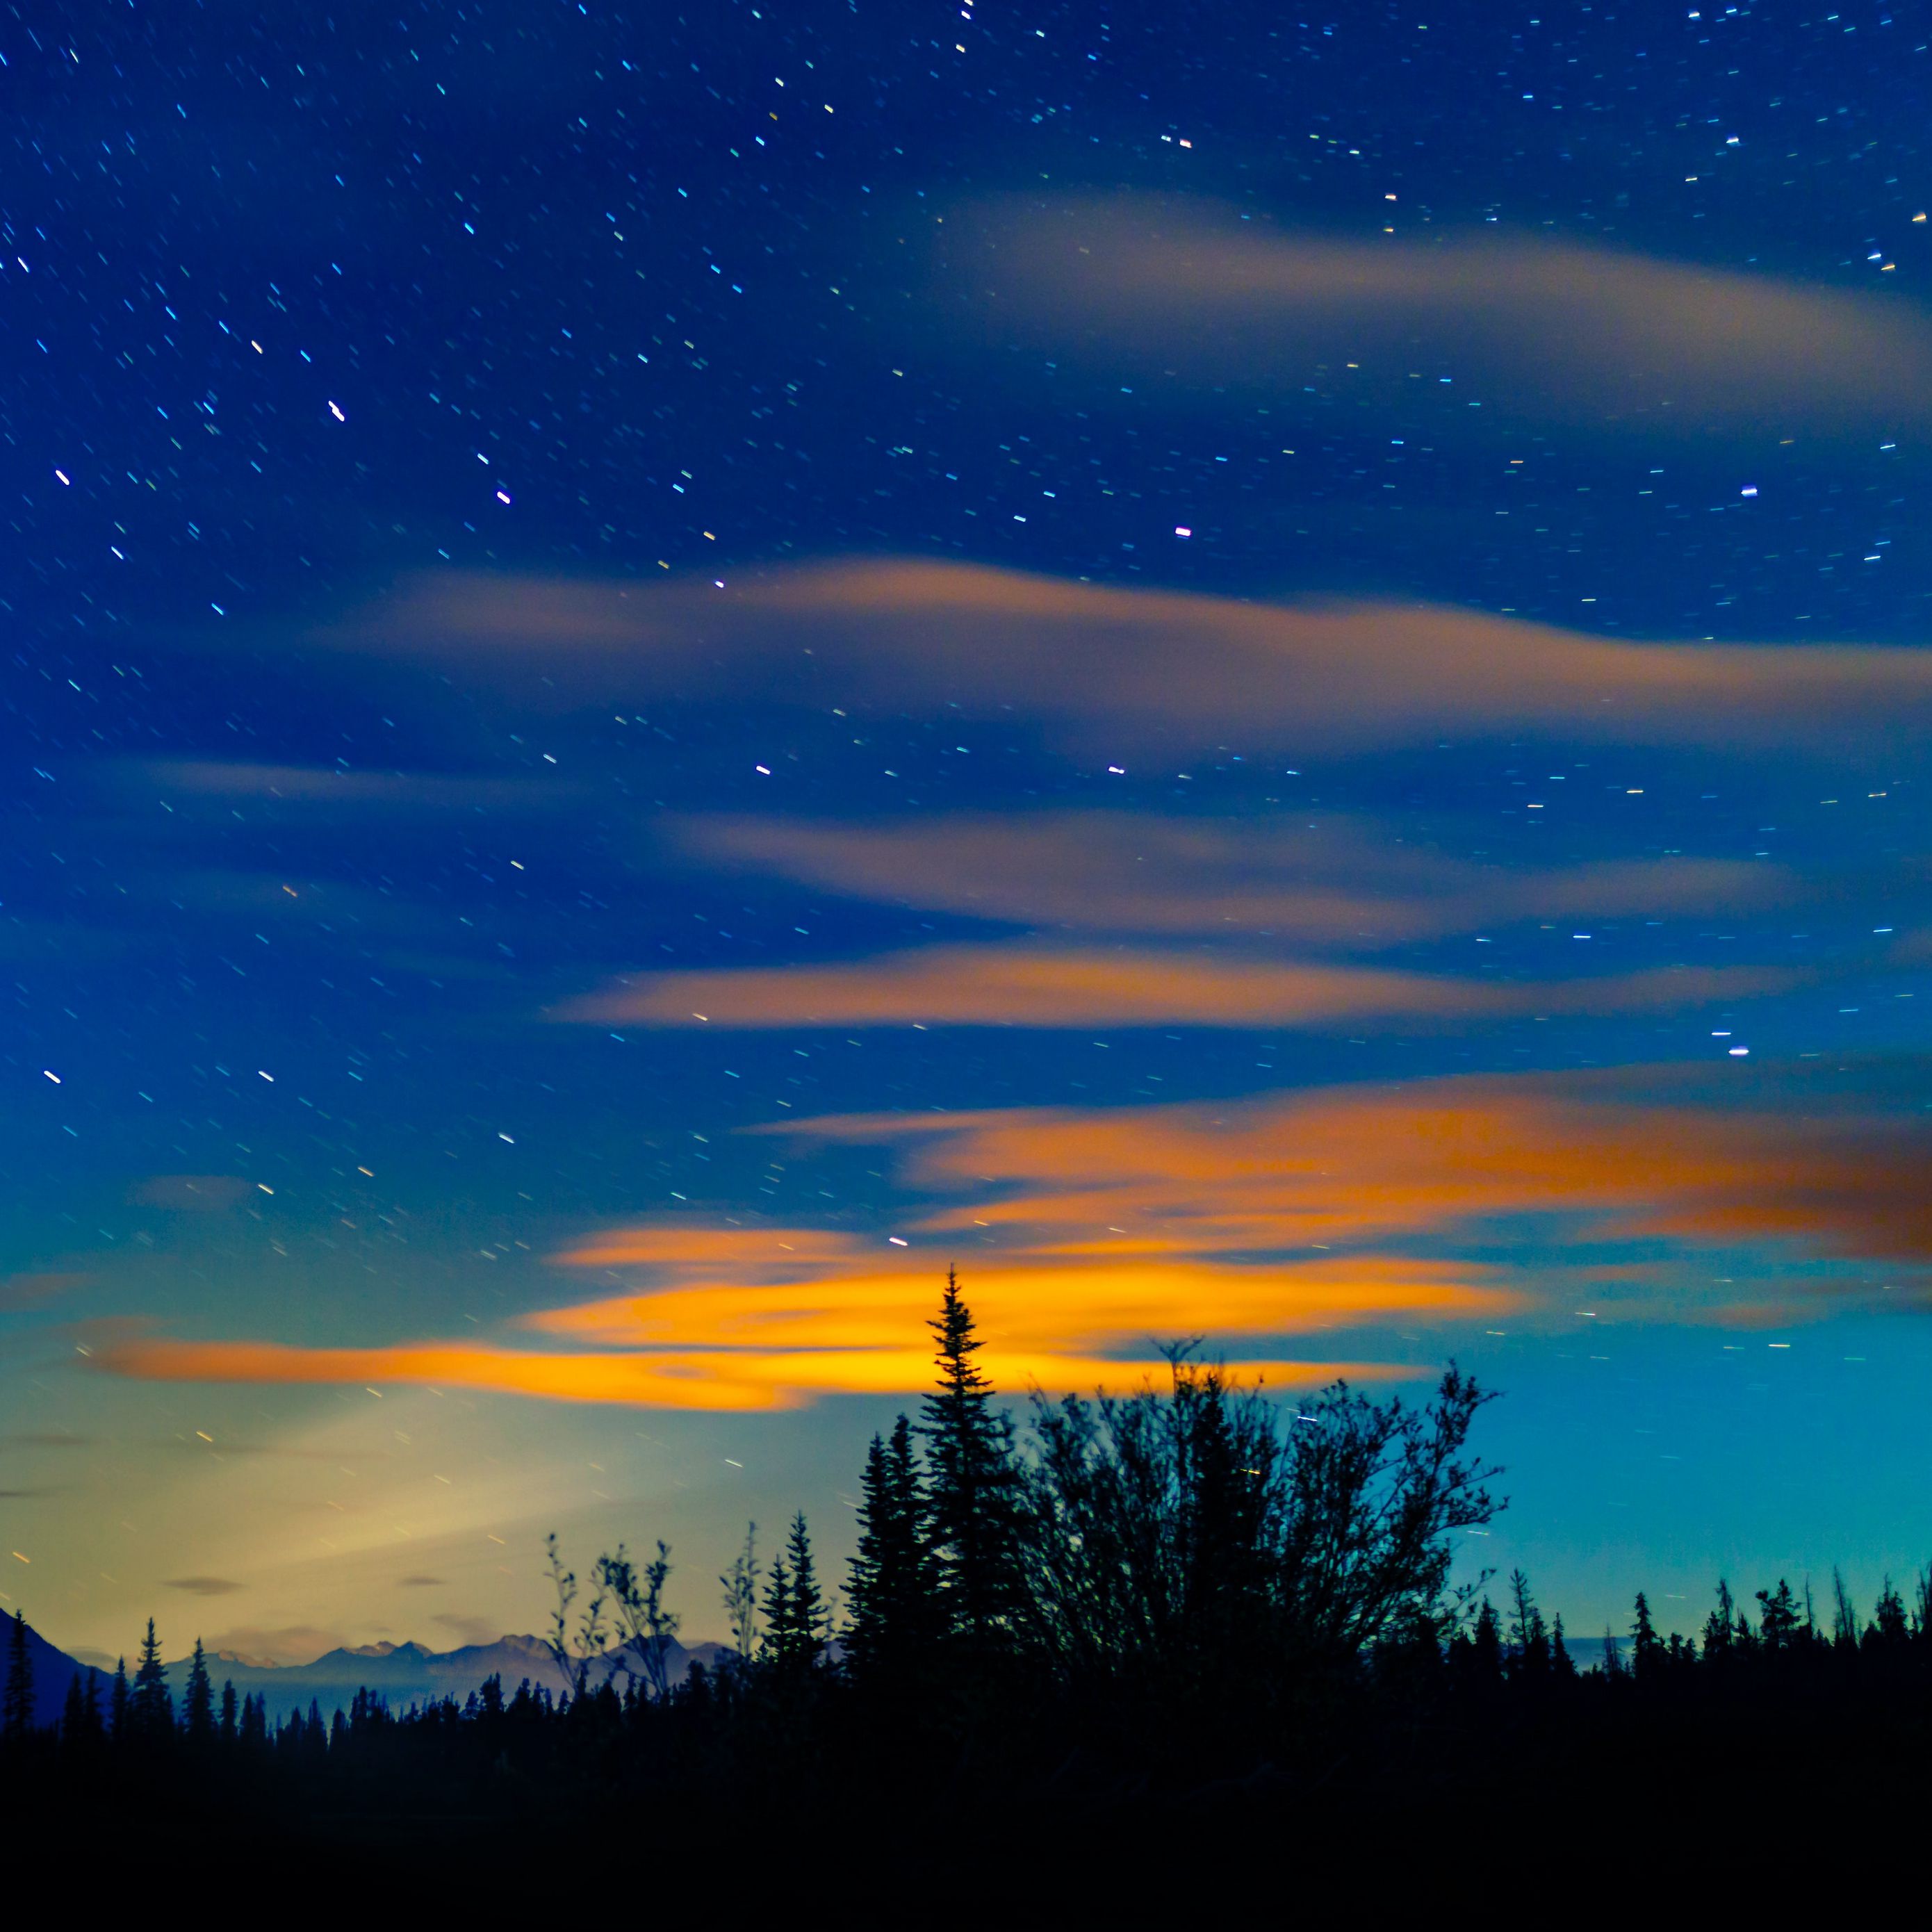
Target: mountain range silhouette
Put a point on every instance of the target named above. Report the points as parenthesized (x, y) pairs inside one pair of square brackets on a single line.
[(404, 1673)]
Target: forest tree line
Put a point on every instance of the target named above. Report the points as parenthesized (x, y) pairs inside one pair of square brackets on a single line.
[(1179, 1584)]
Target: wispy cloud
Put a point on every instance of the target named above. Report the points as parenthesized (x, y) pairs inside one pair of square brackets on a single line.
[(1339, 881), (1428, 1160), (21, 1291), (1032, 985), (1133, 286), (204, 1586), (1115, 672), (720, 1379), (1088, 1235)]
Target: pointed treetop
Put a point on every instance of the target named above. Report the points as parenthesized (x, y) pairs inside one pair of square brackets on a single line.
[(953, 1329)]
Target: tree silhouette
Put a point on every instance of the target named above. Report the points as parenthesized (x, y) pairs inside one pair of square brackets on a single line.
[(17, 1709), (1646, 1649), (1562, 1664), (740, 1585), (198, 1699), (1720, 1627), (1779, 1626), (649, 1628), (795, 1616), (891, 1590), (969, 1449), (1529, 1641), (1148, 1536), (150, 1709), (1486, 1646), (74, 1727), (577, 1654), (1889, 1627)]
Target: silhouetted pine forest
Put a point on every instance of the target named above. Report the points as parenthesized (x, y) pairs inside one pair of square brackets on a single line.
[(1193, 1603)]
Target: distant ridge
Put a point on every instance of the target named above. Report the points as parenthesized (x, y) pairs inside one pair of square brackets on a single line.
[(53, 1670), (408, 1673), (404, 1673)]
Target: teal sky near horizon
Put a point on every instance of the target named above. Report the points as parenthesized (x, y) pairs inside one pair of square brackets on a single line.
[(1265, 680)]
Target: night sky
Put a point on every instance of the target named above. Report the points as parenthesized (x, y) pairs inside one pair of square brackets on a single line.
[(1262, 678)]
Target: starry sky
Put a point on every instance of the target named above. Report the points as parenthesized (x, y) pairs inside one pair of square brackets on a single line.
[(1261, 677)]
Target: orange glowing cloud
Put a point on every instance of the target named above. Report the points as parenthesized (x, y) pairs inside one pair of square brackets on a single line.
[(1032, 985), (1087, 1236), (1134, 287), (1391, 1164), (1036, 1305), (1339, 880), (712, 1379), (1117, 672)]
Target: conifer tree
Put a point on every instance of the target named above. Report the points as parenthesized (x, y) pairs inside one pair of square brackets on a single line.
[(1486, 1644), (1720, 1633), (198, 1699), (1646, 1647), (972, 1489), (1779, 1623), (119, 1702), (16, 1709), (151, 1708), (795, 1616), (1844, 1615), (1560, 1662), (230, 1724), (891, 1590), (778, 1609), (74, 1714), (1889, 1623), (1529, 1639)]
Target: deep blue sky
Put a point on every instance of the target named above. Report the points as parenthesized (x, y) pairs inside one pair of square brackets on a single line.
[(1041, 564)]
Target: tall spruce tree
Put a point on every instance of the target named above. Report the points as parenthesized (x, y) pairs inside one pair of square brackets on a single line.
[(230, 1724), (1720, 1629), (119, 1702), (16, 1709), (796, 1621), (778, 1610), (1889, 1623), (150, 1706), (1485, 1640), (891, 1590), (1646, 1649), (198, 1699), (1844, 1615), (973, 1491), (1779, 1626), (73, 1715), (1529, 1638), (1561, 1663)]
